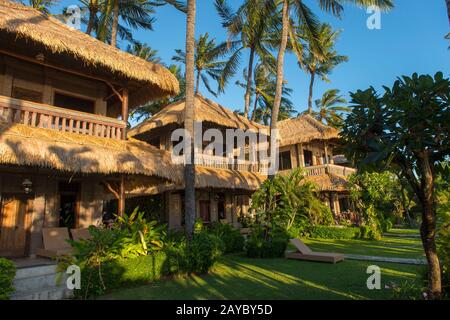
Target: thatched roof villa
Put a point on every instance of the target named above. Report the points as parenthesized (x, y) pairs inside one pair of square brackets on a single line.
[(64, 104)]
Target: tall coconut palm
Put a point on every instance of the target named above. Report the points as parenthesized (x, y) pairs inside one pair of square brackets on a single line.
[(296, 10), (331, 108), (263, 91), (115, 22), (189, 116), (247, 27), (320, 61), (144, 51), (209, 63), (93, 8)]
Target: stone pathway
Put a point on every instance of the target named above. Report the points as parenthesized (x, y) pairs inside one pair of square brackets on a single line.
[(398, 235), (386, 259)]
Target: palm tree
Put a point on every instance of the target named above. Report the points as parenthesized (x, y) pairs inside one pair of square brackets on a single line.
[(208, 63), (247, 28), (189, 116), (330, 108), (321, 60), (263, 90), (93, 8), (115, 23), (448, 9), (296, 10), (41, 5), (144, 51)]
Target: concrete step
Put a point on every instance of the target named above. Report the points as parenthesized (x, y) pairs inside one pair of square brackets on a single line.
[(28, 272), (59, 293), (51, 280)]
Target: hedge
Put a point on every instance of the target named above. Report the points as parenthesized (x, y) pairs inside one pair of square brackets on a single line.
[(259, 248), (123, 273), (7, 274), (330, 232)]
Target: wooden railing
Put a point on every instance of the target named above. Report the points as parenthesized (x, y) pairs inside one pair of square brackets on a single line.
[(60, 119), (329, 168), (224, 163)]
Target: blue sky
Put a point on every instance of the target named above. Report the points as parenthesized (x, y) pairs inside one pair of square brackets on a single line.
[(411, 40)]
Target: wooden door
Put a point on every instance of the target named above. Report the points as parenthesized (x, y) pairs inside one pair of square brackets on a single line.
[(15, 223), (205, 213)]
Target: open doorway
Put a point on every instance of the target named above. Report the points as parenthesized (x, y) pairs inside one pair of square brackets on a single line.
[(69, 204)]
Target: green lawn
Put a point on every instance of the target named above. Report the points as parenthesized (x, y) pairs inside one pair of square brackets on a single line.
[(388, 246), (239, 277)]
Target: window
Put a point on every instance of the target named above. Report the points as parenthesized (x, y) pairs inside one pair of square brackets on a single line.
[(28, 95), (343, 204), (308, 158), (285, 160), (73, 103), (221, 207)]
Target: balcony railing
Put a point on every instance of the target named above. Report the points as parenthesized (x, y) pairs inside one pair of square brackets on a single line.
[(60, 119), (224, 163), (329, 168)]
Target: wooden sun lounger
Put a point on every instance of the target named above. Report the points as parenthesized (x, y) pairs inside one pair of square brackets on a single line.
[(55, 243), (80, 234), (305, 253)]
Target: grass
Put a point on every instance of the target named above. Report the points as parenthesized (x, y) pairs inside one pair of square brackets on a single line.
[(388, 246), (238, 277)]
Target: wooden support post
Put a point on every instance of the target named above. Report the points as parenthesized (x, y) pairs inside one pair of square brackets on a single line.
[(122, 196), (325, 145), (125, 112)]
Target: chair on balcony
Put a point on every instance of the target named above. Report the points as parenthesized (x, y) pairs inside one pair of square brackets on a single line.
[(55, 243), (305, 253)]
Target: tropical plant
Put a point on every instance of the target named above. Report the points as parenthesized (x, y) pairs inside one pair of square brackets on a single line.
[(209, 63), (263, 91), (375, 196), (320, 58), (247, 29), (41, 5), (288, 201), (144, 51), (7, 274), (408, 127), (189, 167), (330, 108), (297, 11)]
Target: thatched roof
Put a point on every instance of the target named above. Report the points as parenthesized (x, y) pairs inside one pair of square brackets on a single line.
[(25, 23), (23, 145), (329, 182), (304, 129), (205, 110), (206, 177)]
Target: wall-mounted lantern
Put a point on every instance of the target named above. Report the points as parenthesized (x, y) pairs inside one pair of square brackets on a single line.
[(27, 186)]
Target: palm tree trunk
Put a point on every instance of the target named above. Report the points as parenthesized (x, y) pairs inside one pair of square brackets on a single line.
[(93, 9), (189, 168), (249, 82), (311, 88), (197, 82), (280, 76), (254, 107), (115, 23)]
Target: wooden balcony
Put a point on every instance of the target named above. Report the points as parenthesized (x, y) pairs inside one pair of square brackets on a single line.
[(224, 163), (60, 119), (328, 168)]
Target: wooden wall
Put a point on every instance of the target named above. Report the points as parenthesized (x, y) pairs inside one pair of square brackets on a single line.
[(46, 202), (25, 75)]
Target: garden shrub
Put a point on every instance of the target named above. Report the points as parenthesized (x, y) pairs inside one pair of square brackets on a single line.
[(7, 274), (202, 252), (260, 248), (330, 232), (96, 280), (231, 237)]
